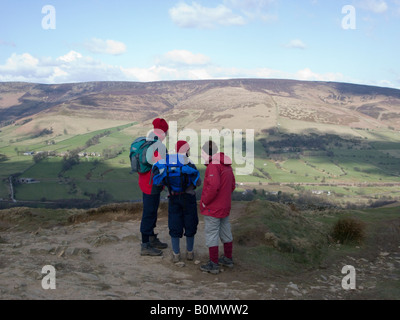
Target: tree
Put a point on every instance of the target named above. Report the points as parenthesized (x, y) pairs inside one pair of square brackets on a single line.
[(70, 160), (3, 157), (40, 156)]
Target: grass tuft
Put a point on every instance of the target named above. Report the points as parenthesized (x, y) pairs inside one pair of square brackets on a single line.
[(349, 230)]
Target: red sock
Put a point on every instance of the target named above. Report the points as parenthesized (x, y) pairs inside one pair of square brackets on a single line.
[(228, 250), (213, 251)]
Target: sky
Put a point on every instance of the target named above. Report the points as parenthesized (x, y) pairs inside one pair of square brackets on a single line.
[(58, 41)]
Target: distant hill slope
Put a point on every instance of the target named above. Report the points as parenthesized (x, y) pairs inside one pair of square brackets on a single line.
[(322, 133), (239, 103)]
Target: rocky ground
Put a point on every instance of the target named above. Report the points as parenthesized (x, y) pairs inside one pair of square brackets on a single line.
[(100, 259)]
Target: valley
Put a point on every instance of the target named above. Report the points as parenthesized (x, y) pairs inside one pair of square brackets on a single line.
[(338, 142)]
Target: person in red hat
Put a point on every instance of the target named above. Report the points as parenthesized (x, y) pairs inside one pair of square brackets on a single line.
[(151, 245), (182, 209)]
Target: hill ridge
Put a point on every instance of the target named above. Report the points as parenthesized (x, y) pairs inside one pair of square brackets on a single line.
[(218, 103)]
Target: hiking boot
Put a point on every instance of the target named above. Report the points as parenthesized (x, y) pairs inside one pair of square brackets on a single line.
[(190, 256), (156, 243), (226, 262), (176, 257), (148, 250), (210, 267)]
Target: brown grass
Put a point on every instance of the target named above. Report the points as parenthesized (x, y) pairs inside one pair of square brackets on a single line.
[(116, 211), (349, 230)]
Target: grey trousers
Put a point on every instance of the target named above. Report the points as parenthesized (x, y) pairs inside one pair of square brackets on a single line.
[(215, 229)]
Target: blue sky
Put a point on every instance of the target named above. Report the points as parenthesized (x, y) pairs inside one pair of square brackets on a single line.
[(121, 40)]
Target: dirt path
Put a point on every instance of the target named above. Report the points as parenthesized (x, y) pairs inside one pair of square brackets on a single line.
[(100, 259)]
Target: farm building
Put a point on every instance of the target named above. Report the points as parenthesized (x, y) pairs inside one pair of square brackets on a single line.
[(319, 192), (28, 180)]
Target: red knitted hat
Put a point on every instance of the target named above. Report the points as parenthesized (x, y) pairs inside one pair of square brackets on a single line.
[(182, 146), (160, 124)]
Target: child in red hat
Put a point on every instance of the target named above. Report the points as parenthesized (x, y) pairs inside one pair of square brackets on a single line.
[(182, 211), (181, 176)]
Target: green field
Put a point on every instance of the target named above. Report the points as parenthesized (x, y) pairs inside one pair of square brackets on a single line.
[(358, 170)]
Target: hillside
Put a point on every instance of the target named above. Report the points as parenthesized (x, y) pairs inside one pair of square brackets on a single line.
[(203, 104), (311, 137)]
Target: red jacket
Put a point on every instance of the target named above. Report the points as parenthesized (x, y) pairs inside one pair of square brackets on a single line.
[(145, 179), (219, 183)]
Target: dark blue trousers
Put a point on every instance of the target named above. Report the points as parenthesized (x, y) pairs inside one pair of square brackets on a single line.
[(149, 216), (182, 215)]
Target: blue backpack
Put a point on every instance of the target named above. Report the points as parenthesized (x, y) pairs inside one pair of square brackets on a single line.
[(175, 173)]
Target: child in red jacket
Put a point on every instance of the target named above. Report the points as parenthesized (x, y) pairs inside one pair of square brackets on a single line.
[(215, 205)]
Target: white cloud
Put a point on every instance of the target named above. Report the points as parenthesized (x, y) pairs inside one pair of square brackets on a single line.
[(71, 67), (231, 12), (308, 75), (154, 73), (254, 9), (70, 57), (21, 61), (105, 46), (250, 5), (375, 6), (197, 16), (19, 65), (304, 74), (385, 83), (183, 57), (75, 67), (162, 73), (296, 44)]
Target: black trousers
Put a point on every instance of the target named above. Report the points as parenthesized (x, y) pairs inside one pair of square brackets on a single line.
[(149, 215), (182, 215)]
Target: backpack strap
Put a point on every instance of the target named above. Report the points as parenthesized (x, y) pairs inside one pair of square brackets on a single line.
[(182, 180), (168, 183), (151, 175)]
